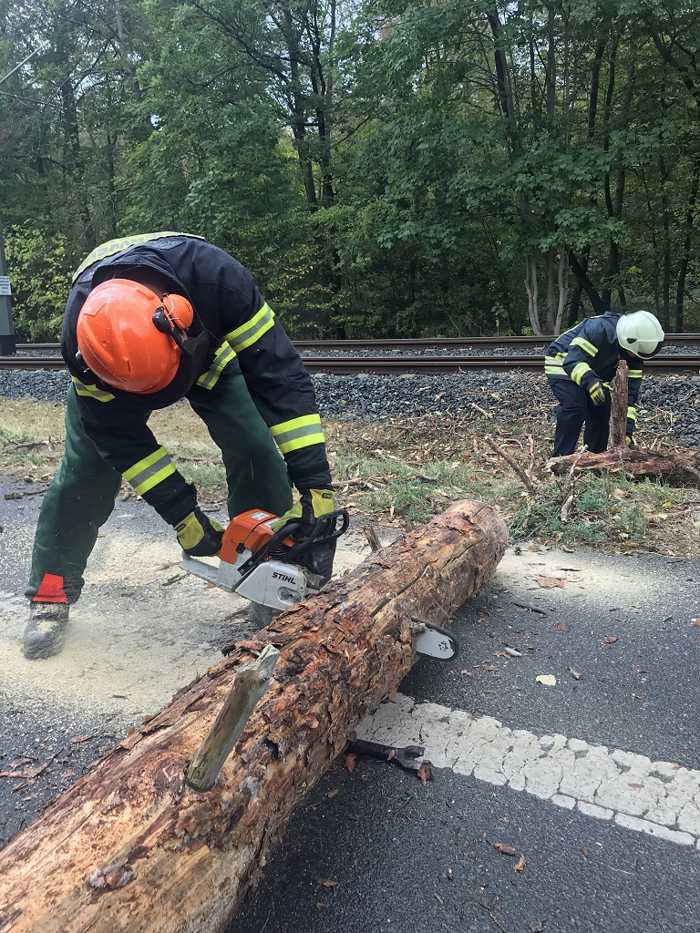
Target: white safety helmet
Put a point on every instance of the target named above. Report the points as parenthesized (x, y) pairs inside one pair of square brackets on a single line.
[(640, 333)]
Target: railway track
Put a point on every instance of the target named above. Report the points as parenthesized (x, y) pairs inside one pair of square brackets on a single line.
[(405, 343), (396, 365)]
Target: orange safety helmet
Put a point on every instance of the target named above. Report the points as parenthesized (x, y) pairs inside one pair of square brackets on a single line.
[(129, 336)]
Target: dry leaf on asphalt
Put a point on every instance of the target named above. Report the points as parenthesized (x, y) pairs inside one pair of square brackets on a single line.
[(696, 622), (551, 583), (577, 675), (504, 849), (547, 680), (520, 864), (609, 640), (560, 627), (350, 762), (328, 883), (425, 773), (25, 774)]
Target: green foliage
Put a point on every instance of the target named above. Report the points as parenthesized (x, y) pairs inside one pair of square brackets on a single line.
[(364, 160), (602, 509), (40, 278)]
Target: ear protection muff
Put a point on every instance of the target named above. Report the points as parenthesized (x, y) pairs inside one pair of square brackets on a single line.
[(173, 317)]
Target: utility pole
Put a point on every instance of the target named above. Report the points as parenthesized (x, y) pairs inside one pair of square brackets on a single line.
[(8, 338)]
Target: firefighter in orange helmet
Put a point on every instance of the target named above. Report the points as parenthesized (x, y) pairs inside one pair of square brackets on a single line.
[(150, 320)]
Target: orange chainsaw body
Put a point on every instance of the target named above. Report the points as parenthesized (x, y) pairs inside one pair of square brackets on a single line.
[(248, 531)]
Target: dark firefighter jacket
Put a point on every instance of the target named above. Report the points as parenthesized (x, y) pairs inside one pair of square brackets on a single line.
[(242, 332), (590, 351)]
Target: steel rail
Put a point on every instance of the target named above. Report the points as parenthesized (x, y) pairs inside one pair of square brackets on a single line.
[(398, 365), (407, 342)]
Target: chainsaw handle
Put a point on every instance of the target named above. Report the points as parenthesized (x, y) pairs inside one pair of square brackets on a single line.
[(316, 537)]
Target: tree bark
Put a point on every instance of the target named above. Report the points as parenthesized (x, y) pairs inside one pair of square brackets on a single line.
[(687, 242), (563, 284), (680, 466), (531, 287), (130, 847), (618, 407)]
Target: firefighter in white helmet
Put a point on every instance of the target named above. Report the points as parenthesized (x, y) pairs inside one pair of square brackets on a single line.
[(580, 364)]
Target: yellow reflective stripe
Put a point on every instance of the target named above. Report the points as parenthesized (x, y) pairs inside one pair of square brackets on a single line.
[(631, 413), (579, 371), (301, 422), (315, 438), (145, 463), (150, 471), (223, 356), (552, 365), (112, 247), (252, 330), (586, 345), (634, 374), (154, 479), (91, 391), (296, 433)]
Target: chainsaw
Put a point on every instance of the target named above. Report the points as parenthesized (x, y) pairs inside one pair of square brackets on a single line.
[(266, 567)]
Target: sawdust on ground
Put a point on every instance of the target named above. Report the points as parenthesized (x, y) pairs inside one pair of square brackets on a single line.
[(141, 630)]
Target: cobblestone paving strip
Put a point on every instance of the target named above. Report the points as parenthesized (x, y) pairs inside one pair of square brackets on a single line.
[(661, 798)]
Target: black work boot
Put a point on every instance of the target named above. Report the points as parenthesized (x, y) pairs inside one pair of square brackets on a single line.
[(46, 630)]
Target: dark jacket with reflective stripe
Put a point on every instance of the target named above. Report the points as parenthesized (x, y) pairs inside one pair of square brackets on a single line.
[(590, 351), (229, 306)]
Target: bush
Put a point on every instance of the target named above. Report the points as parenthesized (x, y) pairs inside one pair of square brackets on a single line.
[(40, 277)]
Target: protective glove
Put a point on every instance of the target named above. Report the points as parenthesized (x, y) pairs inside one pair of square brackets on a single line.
[(199, 535), (596, 393), (313, 504), (630, 441)]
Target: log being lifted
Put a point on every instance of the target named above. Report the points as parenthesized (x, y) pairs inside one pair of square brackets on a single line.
[(679, 465), (131, 847)]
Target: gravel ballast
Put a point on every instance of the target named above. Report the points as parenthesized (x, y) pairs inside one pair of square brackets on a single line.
[(670, 405)]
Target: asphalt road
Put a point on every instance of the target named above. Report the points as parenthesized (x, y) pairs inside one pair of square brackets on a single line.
[(377, 850)]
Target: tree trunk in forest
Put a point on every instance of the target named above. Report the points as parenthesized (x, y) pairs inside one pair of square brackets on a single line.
[(581, 274), (687, 242), (665, 309), (72, 151), (563, 284), (550, 278), (531, 287), (130, 847)]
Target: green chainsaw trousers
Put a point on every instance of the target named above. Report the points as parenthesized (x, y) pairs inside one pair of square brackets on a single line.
[(82, 493)]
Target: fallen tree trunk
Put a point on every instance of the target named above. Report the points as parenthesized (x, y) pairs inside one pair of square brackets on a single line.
[(131, 847), (680, 466)]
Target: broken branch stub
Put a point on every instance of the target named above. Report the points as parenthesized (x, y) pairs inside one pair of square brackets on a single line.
[(618, 407), (249, 684)]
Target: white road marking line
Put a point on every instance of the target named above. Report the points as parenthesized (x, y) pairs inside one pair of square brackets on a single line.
[(661, 798)]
